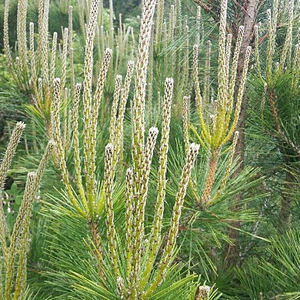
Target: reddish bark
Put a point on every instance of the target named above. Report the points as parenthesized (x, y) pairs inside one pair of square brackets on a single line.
[(245, 14)]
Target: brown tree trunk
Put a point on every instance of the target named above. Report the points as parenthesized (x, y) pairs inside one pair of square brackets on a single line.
[(245, 14), (233, 252)]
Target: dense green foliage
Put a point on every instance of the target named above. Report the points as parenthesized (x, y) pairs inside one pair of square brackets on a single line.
[(123, 213)]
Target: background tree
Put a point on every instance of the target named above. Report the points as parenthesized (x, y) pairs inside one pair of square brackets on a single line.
[(241, 13), (127, 8)]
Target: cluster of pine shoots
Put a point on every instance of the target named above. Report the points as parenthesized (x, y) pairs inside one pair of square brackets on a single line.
[(109, 140)]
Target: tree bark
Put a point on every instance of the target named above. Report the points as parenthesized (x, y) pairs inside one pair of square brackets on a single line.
[(245, 14), (250, 13)]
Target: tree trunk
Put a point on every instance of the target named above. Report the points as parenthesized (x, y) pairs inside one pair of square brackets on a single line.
[(245, 14), (232, 257)]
